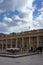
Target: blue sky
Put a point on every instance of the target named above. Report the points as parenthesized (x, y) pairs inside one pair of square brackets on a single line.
[(20, 15)]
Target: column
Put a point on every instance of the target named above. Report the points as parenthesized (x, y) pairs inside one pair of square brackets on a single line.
[(2, 45), (37, 41), (6, 44), (22, 44), (16, 43), (29, 43), (11, 43)]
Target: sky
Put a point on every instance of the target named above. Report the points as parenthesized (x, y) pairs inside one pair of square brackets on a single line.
[(20, 15)]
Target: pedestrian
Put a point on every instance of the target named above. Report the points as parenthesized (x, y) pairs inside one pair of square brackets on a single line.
[(41, 49), (31, 48)]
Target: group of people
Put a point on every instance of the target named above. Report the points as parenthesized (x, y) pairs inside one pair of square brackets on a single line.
[(38, 49)]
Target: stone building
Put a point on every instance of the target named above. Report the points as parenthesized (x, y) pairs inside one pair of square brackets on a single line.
[(24, 40)]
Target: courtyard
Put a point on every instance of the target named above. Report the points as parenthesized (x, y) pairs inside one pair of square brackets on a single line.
[(28, 60)]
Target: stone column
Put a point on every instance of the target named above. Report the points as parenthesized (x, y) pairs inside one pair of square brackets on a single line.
[(6, 44), (16, 43), (11, 43), (22, 44), (2, 45), (37, 41), (29, 43)]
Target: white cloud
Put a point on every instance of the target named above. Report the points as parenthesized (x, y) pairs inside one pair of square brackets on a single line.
[(3, 24), (3, 27), (16, 4), (28, 24), (16, 17), (38, 22), (17, 23), (24, 5), (6, 19)]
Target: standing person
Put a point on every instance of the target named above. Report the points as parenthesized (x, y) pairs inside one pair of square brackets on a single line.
[(31, 48), (41, 49)]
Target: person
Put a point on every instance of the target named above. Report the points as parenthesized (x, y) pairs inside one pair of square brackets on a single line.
[(31, 48), (40, 49)]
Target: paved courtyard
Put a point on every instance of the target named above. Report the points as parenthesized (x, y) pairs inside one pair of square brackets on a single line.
[(28, 60)]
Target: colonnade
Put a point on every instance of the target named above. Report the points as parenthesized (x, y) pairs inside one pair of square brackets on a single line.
[(22, 43)]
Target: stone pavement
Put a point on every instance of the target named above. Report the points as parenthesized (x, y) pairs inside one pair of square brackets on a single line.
[(27, 60)]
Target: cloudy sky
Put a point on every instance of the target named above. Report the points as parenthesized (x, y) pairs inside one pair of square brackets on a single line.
[(20, 15)]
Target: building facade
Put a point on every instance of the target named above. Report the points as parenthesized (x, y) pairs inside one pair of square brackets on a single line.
[(24, 40)]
